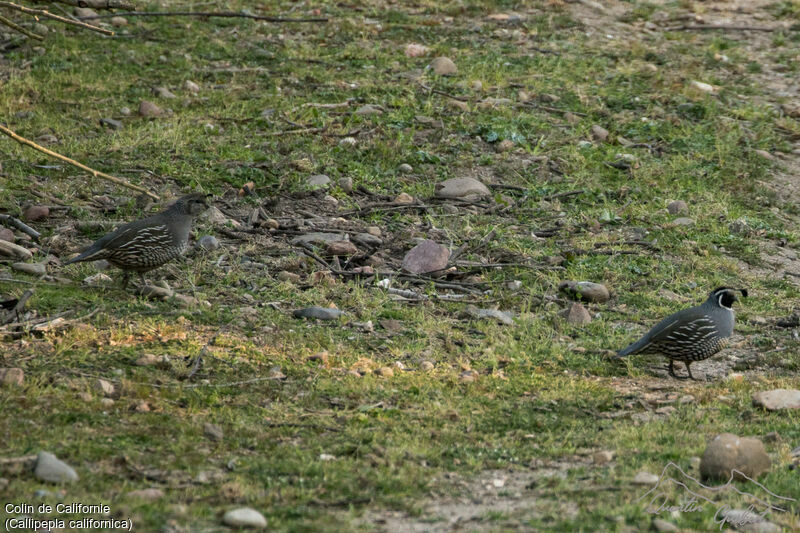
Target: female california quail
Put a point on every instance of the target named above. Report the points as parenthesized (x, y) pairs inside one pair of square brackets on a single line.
[(693, 334), (146, 244)]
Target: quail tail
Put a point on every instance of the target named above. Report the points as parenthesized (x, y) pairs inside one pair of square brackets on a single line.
[(634, 348)]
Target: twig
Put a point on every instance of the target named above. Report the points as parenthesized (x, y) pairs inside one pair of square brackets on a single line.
[(97, 4), (218, 14), (20, 225), (22, 301), (553, 109), (296, 425), (442, 93), (701, 27), (95, 173), (17, 460), (47, 14), (14, 26), (563, 194), (290, 132), (461, 249)]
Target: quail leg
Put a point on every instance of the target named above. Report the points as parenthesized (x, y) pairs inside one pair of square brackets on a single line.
[(672, 370), (126, 276), (688, 369)]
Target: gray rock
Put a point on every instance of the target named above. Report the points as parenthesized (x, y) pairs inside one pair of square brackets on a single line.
[(208, 242), (163, 92), (576, 314), (775, 400), (602, 457), (727, 452), (36, 269), (346, 184), (111, 123), (84, 12), (367, 239), (504, 317), (191, 86), (427, 256), (213, 432), (585, 290), (50, 468), (683, 221), (320, 313), (403, 199), (444, 66), (106, 388), (119, 21), (319, 238), (215, 216), (11, 376), (405, 168), (7, 235), (341, 248), (645, 478), (318, 180), (461, 188), (245, 517), (664, 526), (599, 133), (677, 207), (369, 109), (149, 109), (125, 111)]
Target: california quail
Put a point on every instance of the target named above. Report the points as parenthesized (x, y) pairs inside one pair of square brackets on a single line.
[(693, 334), (146, 244)]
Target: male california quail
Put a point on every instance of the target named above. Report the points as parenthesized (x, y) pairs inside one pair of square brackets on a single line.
[(693, 334), (146, 244)]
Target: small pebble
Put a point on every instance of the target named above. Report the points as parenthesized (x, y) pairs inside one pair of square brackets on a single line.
[(443, 66), (405, 168), (208, 243), (245, 517)]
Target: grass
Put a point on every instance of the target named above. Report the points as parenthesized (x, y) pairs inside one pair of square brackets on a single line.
[(545, 393)]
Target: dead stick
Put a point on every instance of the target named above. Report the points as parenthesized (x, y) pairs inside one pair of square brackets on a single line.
[(221, 14), (563, 194), (20, 225), (47, 14), (721, 27), (14, 26), (96, 4), (93, 172), (290, 132)]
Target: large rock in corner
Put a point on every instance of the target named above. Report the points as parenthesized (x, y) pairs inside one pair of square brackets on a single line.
[(50, 468), (775, 400), (727, 453)]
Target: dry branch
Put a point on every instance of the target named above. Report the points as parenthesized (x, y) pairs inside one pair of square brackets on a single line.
[(96, 4), (14, 26), (47, 14), (20, 225), (703, 27), (93, 172), (219, 14)]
